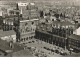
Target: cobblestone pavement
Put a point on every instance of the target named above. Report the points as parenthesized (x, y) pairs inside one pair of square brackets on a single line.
[(39, 45)]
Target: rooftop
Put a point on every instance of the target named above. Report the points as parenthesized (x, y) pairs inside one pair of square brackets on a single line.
[(6, 33), (73, 36)]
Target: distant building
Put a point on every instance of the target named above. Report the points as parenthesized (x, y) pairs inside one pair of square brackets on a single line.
[(8, 35), (28, 10)]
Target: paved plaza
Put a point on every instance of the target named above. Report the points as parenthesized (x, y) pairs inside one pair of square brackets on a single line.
[(39, 46)]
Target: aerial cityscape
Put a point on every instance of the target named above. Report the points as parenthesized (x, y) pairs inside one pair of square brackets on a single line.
[(39, 28)]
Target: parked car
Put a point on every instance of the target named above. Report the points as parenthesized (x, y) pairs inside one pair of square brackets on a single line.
[(33, 41), (56, 51), (48, 49), (29, 42), (52, 50), (45, 48), (63, 53)]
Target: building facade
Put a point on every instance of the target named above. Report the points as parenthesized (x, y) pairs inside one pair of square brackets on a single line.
[(74, 42), (27, 29), (58, 32), (28, 20)]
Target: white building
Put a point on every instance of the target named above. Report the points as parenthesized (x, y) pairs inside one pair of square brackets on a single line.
[(77, 31)]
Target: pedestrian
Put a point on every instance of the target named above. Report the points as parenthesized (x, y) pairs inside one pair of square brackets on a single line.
[(70, 52)]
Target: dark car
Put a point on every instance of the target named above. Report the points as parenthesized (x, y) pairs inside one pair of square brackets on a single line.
[(24, 43), (29, 42), (63, 53), (45, 48), (33, 41), (48, 49), (29, 47), (52, 50), (56, 51)]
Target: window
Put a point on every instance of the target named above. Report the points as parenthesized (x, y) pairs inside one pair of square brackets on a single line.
[(32, 23), (26, 24)]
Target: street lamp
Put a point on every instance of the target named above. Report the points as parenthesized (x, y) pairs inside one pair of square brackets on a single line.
[(65, 43)]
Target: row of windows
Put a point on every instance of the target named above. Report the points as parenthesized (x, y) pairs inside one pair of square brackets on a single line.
[(27, 30), (44, 36), (28, 38), (61, 32)]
